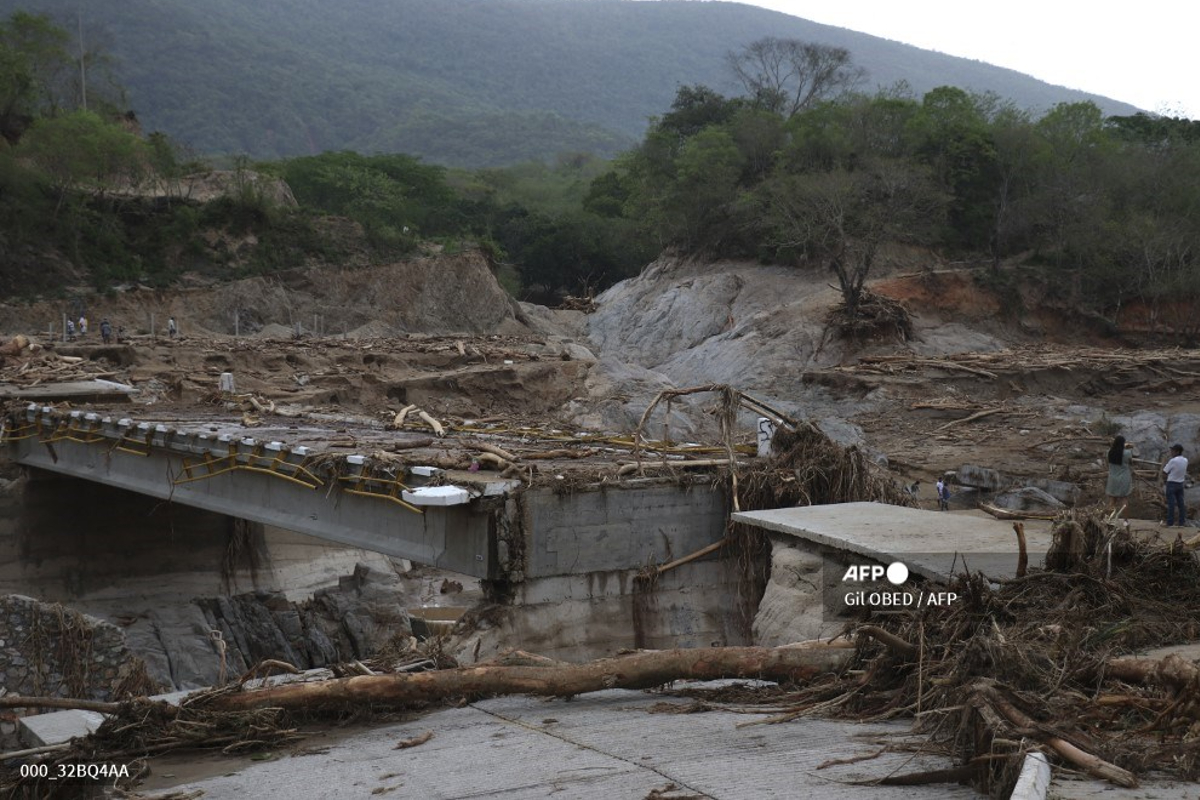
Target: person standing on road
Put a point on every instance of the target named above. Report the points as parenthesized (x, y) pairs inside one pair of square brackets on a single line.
[(106, 330), (1120, 474), (1174, 475), (943, 495)]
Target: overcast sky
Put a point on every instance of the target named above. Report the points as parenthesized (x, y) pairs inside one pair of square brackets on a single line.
[(1143, 53)]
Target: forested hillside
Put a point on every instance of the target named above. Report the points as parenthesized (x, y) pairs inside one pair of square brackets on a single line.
[(792, 169), (459, 82)]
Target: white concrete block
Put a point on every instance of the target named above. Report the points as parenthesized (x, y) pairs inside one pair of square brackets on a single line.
[(437, 496), (57, 727)]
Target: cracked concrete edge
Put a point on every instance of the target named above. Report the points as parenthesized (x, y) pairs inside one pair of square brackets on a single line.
[(1034, 781)]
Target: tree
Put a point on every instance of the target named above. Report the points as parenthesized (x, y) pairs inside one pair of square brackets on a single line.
[(787, 76), (392, 196), (1153, 130), (1073, 165), (855, 126), (33, 61), (951, 135), (696, 108), (81, 151), (1015, 151), (840, 218)]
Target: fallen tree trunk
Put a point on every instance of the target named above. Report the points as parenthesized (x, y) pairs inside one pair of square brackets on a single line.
[(640, 670), (1172, 670)]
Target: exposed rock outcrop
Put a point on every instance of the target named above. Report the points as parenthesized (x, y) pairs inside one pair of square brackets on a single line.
[(184, 645)]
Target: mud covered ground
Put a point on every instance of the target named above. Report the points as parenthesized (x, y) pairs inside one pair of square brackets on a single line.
[(1035, 393)]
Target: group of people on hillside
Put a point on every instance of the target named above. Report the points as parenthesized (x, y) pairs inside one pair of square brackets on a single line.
[(1120, 480), (106, 329), (81, 328)]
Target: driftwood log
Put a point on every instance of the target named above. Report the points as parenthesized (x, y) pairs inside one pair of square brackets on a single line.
[(1172, 671), (640, 670)]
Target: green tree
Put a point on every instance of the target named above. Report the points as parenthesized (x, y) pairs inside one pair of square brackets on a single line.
[(1074, 163), (82, 152), (696, 108), (1015, 149), (394, 197), (952, 137), (33, 63)]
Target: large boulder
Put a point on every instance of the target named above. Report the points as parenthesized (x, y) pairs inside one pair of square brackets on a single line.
[(791, 608), (1153, 433), (757, 327), (1028, 498)]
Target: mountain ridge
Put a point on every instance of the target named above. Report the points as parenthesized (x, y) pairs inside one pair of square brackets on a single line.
[(294, 77)]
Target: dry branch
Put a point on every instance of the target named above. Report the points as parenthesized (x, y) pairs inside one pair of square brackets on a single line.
[(491, 448), (398, 420), (987, 412), (1022, 549), (412, 444), (16, 701), (1006, 513), (1093, 765), (679, 562), (438, 429), (415, 741), (893, 642)]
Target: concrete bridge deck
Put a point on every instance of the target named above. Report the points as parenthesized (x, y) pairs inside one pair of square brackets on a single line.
[(932, 544), (355, 483)]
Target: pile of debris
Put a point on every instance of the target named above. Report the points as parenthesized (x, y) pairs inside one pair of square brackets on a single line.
[(1039, 663), (1120, 368)]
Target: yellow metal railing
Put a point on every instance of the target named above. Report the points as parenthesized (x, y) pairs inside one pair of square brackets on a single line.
[(380, 488), (275, 466)]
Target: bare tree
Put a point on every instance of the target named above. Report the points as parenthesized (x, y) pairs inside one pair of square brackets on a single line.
[(842, 217), (788, 75)]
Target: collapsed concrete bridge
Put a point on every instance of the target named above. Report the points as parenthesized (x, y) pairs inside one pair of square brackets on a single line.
[(475, 523), (559, 548)]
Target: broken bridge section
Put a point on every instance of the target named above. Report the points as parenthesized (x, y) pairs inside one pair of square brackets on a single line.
[(477, 524), (269, 482)]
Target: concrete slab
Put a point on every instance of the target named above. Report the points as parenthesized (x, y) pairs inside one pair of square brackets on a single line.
[(605, 744), (934, 544), (57, 726), (1034, 780), (96, 391)]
